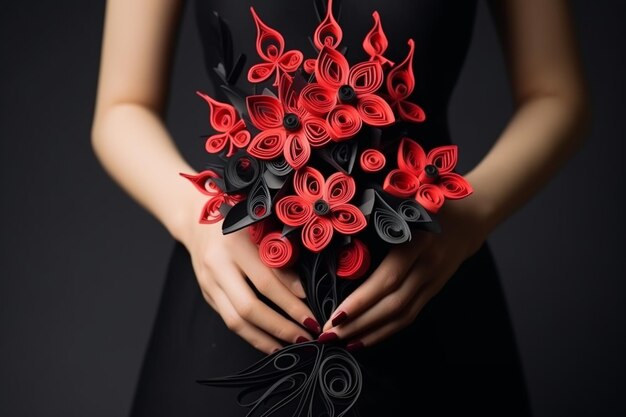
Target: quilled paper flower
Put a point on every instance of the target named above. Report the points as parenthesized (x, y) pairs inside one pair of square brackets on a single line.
[(328, 33), (429, 178), (270, 46), (346, 95), (286, 127), (224, 118), (375, 42), (400, 84), (321, 207), (204, 181)]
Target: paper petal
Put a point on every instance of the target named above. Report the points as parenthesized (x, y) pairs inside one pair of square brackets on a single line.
[(297, 150), (348, 219), (266, 112), (287, 95), (317, 99), (366, 77), (316, 131), (259, 200), (374, 110), (411, 157), (317, 233), (270, 44), (331, 68), (339, 189), (372, 160), (291, 60), (204, 182), (353, 260), (430, 196), (268, 144), (276, 250), (401, 183), (308, 183), (344, 122), (400, 80), (328, 32), (454, 186), (222, 116), (443, 157), (388, 224), (261, 72), (410, 112), (375, 42), (293, 210), (211, 211)]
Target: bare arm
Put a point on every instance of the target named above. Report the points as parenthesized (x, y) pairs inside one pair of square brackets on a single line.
[(549, 122), (134, 146)]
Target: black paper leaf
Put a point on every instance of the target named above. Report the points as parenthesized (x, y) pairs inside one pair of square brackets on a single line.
[(389, 225), (259, 202)]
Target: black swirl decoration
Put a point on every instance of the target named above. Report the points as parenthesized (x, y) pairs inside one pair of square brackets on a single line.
[(240, 172), (256, 207), (305, 379)]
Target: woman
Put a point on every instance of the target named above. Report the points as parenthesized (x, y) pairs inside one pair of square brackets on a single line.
[(430, 324)]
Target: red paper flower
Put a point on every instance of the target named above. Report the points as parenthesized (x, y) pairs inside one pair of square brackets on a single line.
[(372, 160), (427, 177), (204, 182), (270, 46), (285, 126), (321, 206), (353, 88), (375, 42), (400, 85), (224, 119), (328, 33)]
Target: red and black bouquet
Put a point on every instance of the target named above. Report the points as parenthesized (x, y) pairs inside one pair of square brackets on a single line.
[(316, 162)]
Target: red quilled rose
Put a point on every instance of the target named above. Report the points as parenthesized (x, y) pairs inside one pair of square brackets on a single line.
[(321, 207)]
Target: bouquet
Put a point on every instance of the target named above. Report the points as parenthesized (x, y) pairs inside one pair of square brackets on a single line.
[(315, 161)]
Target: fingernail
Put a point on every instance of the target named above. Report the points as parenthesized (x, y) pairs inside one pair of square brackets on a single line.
[(312, 325), (355, 345), (275, 350), (302, 339), (339, 318), (327, 337)]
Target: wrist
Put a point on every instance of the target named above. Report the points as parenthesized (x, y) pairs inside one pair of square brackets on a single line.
[(185, 212)]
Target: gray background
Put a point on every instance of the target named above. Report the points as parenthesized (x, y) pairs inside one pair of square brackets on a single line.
[(82, 266)]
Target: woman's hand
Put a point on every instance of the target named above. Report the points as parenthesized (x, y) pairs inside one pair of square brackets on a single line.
[(407, 278), (222, 262)]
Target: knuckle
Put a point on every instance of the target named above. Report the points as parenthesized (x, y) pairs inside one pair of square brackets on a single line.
[(391, 280), (246, 309), (234, 323), (397, 303)]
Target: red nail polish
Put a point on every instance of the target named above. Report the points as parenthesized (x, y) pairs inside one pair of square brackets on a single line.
[(339, 318), (302, 339), (312, 325), (355, 345), (327, 337), (275, 350)]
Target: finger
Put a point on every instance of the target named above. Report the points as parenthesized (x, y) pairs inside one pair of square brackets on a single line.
[(254, 311), (291, 280), (388, 329), (268, 283), (386, 278), (257, 338), (391, 307)]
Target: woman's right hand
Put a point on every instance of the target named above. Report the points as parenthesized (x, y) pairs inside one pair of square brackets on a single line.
[(221, 264)]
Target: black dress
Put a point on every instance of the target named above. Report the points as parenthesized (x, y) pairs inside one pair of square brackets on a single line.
[(459, 357)]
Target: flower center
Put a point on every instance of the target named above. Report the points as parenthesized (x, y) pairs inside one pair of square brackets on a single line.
[(430, 174), (321, 207), (346, 94), (291, 121)]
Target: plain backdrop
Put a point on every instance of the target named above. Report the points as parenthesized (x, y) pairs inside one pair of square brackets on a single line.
[(82, 266)]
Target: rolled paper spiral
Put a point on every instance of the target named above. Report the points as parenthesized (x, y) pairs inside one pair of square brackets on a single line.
[(241, 171), (353, 260), (401, 183), (344, 122), (259, 202), (389, 225), (372, 160), (276, 250), (279, 167)]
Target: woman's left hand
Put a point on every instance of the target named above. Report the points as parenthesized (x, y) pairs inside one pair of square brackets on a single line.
[(408, 277)]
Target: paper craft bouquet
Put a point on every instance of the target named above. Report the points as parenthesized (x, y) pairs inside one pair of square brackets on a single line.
[(316, 162)]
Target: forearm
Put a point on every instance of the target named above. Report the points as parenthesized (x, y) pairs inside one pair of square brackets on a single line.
[(540, 137), (136, 150)]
